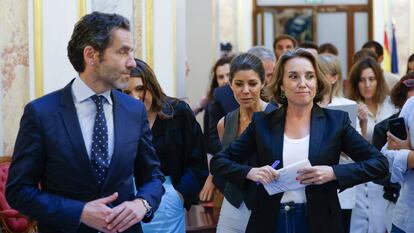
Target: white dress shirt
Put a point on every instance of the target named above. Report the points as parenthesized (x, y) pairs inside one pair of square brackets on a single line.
[(86, 110), (295, 150)]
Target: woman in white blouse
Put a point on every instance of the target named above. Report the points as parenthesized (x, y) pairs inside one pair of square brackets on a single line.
[(368, 87)]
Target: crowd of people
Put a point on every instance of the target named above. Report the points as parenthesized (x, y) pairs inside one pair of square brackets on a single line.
[(111, 152)]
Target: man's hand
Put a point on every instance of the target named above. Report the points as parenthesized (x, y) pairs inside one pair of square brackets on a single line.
[(263, 174), (316, 175), (95, 212), (125, 215)]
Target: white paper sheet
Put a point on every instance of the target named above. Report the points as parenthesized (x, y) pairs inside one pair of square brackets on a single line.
[(287, 179)]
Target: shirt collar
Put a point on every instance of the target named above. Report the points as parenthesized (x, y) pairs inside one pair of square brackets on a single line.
[(82, 92)]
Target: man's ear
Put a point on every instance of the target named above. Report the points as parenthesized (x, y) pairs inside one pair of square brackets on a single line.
[(90, 56)]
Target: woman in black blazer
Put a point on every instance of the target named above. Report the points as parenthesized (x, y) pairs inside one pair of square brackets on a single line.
[(299, 130), (178, 141)]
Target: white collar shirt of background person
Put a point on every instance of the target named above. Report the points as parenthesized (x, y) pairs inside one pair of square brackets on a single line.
[(295, 150), (385, 110), (403, 216), (86, 111), (369, 213)]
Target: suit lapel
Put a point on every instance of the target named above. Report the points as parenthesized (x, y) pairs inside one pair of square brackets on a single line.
[(277, 124), (318, 123), (70, 119)]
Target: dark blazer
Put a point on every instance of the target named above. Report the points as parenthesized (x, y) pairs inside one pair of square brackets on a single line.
[(179, 144), (50, 178), (330, 133), (223, 103), (379, 138)]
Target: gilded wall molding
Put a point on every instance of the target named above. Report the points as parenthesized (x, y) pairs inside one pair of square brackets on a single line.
[(38, 47)]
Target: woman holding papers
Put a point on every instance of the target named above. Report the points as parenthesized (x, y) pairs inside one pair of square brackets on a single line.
[(298, 131), (247, 78)]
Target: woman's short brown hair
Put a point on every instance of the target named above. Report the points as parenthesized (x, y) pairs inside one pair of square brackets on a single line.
[(354, 76), (274, 91)]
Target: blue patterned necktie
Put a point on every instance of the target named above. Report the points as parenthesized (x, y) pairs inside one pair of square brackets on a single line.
[(99, 152)]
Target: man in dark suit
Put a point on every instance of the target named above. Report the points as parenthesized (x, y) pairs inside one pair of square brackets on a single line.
[(79, 149)]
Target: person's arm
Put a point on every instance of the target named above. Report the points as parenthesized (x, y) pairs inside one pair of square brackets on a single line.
[(215, 114), (195, 170), (208, 189), (148, 180), (227, 164), (369, 164), (400, 156), (148, 175), (25, 174)]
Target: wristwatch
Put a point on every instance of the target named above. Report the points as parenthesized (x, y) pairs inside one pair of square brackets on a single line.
[(147, 207)]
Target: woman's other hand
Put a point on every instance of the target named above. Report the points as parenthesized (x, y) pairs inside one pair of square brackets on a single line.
[(208, 189), (263, 175), (316, 175), (395, 143)]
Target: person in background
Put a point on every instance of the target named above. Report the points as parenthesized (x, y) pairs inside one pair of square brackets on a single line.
[(331, 65), (368, 88), (328, 48), (403, 90), (219, 73), (297, 131), (310, 46), (362, 54), (247, 79), (268, 60), (282, 43), (400, 155), (179, 144), (410, 64), (79, 148), (376, 47), (219, 76)]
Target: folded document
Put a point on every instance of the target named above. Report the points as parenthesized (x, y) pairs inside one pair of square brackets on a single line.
[(287, 179)]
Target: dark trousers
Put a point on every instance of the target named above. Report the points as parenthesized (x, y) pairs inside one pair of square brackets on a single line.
[(346, 219)]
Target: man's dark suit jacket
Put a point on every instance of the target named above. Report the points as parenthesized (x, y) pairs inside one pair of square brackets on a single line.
[(50, 178), (330, 133)]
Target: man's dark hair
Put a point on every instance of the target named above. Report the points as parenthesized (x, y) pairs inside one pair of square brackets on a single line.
[(379, 50), (285, 37), (93, 29), (308, 45), (328, 48)]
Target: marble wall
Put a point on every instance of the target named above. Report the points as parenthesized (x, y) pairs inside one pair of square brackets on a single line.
[(403, 30), (14, 67)]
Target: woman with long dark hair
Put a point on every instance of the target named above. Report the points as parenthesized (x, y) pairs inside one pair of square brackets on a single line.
[(178, 141)]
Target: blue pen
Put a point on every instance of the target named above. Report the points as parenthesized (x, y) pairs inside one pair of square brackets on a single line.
[(274, 165)]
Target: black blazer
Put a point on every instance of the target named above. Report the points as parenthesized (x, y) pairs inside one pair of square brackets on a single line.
[(330, 133), (223, 103), (179, 144)]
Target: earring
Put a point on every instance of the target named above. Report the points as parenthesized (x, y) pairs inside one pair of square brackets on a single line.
[(282, 94)]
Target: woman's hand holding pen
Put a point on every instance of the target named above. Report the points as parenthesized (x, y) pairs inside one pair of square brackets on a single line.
[(316, 175), (263, 174)]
